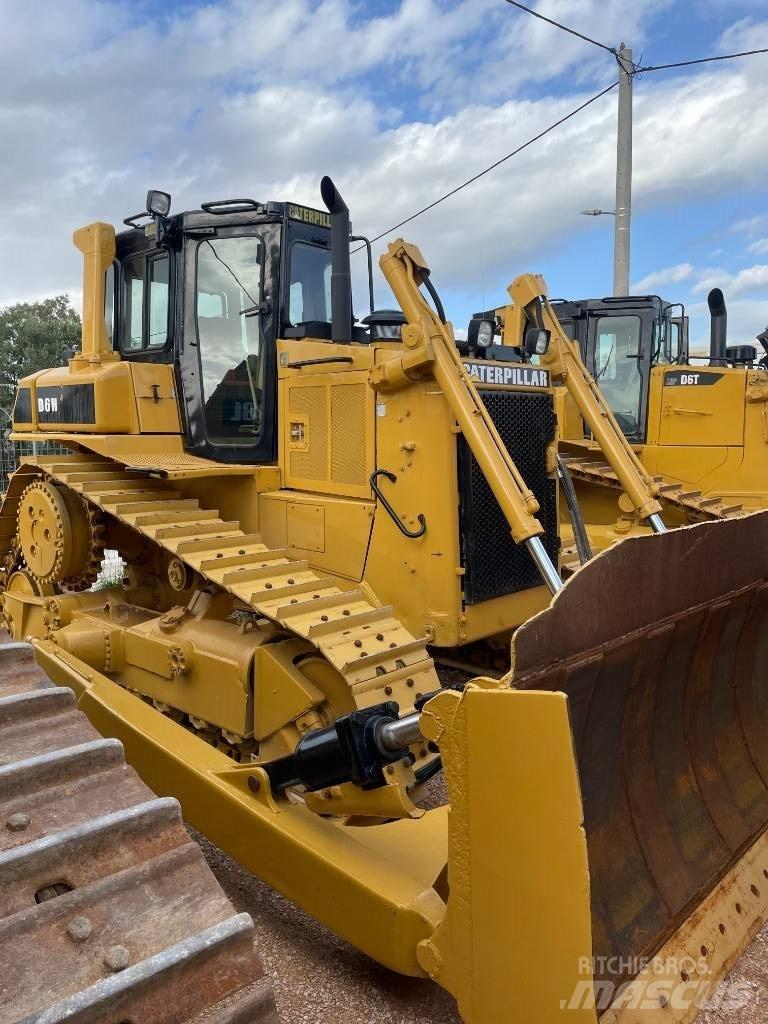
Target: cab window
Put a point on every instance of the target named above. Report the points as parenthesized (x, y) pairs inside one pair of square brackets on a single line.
[(666, 341), (232, 357), (310, 284), (157, 325), (617, 368), (145, 307)]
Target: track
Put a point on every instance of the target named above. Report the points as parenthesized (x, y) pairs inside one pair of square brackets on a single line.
[(591, 468), (364, 641), (108, 911)]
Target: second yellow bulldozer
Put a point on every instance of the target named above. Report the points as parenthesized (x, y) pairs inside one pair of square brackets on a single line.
[(308, 509), (699, 428)]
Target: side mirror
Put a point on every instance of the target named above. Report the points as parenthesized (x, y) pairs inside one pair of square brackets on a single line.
[(536, 341), (480, 333)]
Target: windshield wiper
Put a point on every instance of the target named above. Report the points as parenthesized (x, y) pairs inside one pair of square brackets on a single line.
[(261, 308)]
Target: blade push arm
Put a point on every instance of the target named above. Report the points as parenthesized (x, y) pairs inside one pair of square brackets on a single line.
[(430, 350), (529, 294)]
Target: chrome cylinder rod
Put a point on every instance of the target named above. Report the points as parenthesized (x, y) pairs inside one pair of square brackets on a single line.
[(548, 570), (393, 736), (657, 523)]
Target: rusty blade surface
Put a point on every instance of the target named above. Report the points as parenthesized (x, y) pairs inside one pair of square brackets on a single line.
[(108, 911), (661, 644)]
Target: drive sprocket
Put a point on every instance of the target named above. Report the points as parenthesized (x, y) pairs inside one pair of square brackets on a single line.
[(59, 537)]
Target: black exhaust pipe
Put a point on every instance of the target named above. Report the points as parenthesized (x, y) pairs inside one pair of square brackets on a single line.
[(718, 330), (341, 278)]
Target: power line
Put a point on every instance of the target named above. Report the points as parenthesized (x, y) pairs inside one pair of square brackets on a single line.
[(700, 60), (497, 163), (636, 69), (557, 24)]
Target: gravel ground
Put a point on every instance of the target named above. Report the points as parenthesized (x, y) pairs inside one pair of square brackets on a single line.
[(743, 996), (319, 977)]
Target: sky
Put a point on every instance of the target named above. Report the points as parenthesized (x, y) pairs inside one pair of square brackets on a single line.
[(399, 101)]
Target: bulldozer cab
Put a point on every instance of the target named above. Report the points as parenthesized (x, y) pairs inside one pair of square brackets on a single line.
[(621, 339), (210, 292)]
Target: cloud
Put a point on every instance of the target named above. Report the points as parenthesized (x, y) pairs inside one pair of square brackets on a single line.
[(758, 247), (659, 279), (746, 319), (746, 280), (244, 97)]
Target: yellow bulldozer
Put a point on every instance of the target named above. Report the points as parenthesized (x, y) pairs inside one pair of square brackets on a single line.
[(699, 428), (309, 509)]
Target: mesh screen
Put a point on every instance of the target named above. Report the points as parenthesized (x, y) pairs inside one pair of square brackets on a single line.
[(310, 402), (494, 565), (348, 433)]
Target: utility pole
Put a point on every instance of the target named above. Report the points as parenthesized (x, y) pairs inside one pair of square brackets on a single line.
[(623, 175)]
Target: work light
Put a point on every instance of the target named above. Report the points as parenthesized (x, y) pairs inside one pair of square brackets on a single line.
[(158, 203)]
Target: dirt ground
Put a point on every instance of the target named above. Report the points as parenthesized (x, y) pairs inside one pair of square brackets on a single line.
[(742, 998), (318, 977)]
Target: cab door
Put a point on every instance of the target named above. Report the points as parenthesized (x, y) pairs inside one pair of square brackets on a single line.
[(227, 352), (619, 356)]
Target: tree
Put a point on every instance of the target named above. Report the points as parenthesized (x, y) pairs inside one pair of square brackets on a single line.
[(34, 336)]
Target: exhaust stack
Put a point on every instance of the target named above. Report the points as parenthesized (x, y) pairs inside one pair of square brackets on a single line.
[(341, 278), (97, 244), (718, 328)]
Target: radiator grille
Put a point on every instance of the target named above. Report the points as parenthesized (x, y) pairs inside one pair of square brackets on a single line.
[(493, 564)]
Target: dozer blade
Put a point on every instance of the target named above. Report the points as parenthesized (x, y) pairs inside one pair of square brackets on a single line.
[(662, 650), (660, 646), (108, 911)]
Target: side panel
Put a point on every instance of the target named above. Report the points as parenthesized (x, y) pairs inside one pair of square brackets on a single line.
[(156, 402), (702, 407), (331, 533), (97, 400), (416, 440), (326, 419)]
